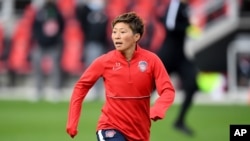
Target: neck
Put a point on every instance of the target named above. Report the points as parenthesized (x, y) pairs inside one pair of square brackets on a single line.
[(128, 54)]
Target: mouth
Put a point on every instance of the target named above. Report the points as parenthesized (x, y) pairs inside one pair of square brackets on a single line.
[(118, 44)]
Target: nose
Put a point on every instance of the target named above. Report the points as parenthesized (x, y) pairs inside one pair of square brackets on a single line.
[(117, 35)]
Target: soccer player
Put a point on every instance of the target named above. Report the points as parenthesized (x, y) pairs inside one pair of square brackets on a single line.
[(130, 74)]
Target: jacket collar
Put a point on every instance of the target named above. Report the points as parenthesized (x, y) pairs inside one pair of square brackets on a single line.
[(136, 52)]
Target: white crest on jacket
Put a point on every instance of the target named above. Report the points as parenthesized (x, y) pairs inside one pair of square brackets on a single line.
[(142, 66)]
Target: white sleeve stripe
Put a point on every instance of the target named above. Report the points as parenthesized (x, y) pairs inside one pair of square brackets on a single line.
[(100, 136), (172, 12)]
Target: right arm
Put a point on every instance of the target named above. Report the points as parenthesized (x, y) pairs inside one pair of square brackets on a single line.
[(81, 88)]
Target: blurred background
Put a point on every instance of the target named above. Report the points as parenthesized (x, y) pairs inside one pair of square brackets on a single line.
[(218, 42)]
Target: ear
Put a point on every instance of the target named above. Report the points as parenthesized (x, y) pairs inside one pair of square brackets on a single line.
[(137, 37)]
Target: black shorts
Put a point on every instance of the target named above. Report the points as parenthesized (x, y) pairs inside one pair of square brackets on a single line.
[(110, 135)]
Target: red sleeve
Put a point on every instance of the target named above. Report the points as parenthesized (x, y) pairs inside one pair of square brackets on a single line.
[(165, 90), (81, 88)]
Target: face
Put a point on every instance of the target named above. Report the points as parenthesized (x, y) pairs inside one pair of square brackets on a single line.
[(123, 37)]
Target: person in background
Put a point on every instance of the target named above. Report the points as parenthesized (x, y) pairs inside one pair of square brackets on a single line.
[(3, 66), (130, 74), (92, 17), (47, 31), (172, 54)]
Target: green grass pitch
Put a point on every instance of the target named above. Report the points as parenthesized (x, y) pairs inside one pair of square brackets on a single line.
[(43, 121)]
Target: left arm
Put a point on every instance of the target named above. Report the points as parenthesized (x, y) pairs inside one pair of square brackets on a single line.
[(165, 90)]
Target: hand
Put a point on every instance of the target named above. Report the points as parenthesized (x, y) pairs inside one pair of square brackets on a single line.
[(72, 132), (155, 118)]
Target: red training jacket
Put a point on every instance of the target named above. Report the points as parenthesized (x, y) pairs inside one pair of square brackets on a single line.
[(128, 87)]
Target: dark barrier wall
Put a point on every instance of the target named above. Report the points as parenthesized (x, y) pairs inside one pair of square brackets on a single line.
[(214, 57)]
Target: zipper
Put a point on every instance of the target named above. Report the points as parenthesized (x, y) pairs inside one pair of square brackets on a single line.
[(129, 73)]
